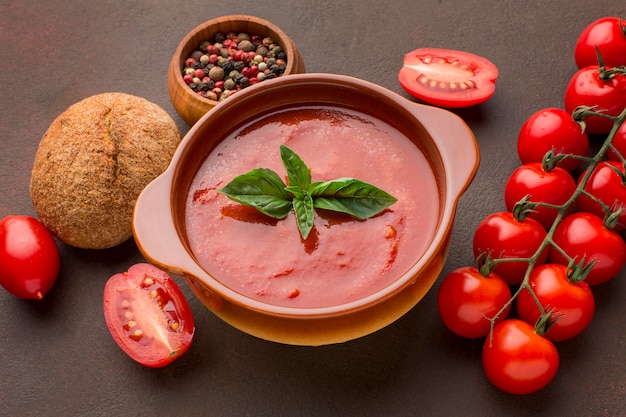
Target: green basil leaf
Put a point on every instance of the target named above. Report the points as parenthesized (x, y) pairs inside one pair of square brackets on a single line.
[(298, 174), (262, 189), (348, 195), (303, 207)]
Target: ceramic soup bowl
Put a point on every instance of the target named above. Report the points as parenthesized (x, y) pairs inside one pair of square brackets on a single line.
[(349, 277)]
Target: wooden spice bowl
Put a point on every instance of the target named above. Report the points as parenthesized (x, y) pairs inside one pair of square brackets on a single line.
[(190, 105)]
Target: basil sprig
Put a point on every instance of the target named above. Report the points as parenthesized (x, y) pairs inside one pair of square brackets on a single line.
[(264, 190)]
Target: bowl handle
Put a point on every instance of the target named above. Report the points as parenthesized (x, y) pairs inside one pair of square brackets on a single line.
[(456, 143), (155, 233)]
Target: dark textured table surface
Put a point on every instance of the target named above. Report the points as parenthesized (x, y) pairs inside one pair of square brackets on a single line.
[(57, 357)]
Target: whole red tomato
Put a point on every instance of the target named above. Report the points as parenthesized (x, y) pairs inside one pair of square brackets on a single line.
[(573, 301), (548, 129), (609, 36), (583, 234), (503, 236), (148, 316), (619, 143), (467, 299), (586, 88), (29, 257), (608, 186), (553, 187), (517, 360)]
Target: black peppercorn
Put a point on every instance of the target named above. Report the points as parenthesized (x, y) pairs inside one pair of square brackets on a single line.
[(219, 37)]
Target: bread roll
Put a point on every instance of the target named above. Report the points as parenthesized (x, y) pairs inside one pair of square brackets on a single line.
[(92, 163)]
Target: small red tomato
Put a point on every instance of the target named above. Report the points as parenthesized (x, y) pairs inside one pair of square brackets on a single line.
[(619, 142), (148, 315), (574, 303), (448, 78), (553, 187), (467, 299), (549, 129), (29, 257), (583, 234), (502, 235), (517, 360), (586, 88), (608, 186), (608, 34)]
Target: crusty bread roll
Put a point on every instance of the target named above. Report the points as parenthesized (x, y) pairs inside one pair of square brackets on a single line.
[(93, 162)]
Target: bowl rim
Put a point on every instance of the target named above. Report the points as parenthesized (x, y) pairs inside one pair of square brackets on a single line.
[(438, 242)]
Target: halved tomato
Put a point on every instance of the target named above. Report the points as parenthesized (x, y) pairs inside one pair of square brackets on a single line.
[(148, 315), (448, 78)]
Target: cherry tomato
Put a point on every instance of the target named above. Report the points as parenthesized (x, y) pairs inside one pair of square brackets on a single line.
[(502, 235), (148, 316), (553, 187), (448, 78), (584, 235), (585, 88), (517, 360), (609, 35), (619, 142), (548, 129), (574, 302), (607, 186), (467, 299), (29, 257)]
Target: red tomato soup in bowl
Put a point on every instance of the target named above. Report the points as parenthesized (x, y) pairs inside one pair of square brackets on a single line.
[(349, 277), (343, 259)]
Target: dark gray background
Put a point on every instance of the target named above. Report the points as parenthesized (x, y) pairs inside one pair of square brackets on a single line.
[(56, 355)]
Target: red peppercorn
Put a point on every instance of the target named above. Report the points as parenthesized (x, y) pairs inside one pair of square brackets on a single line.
[(199, 73), (188, 78), (190, 62)]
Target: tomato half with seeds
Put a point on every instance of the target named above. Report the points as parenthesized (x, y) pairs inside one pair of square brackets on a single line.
[(148, 315), (448, 78)]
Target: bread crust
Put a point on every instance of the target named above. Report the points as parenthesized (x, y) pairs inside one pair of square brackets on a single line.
[(92, 163)]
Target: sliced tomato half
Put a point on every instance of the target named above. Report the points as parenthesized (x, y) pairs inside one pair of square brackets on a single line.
[(148, 315), (448, 78)]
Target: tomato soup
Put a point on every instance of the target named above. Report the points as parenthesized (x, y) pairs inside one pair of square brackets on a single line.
[(343, 259)]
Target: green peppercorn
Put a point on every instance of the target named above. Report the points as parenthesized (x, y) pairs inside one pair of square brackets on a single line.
[(204, 45), (229, 84), (219, 37), (233, 74)]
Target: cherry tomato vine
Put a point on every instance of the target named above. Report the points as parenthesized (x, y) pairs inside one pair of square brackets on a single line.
[(553, 294)]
